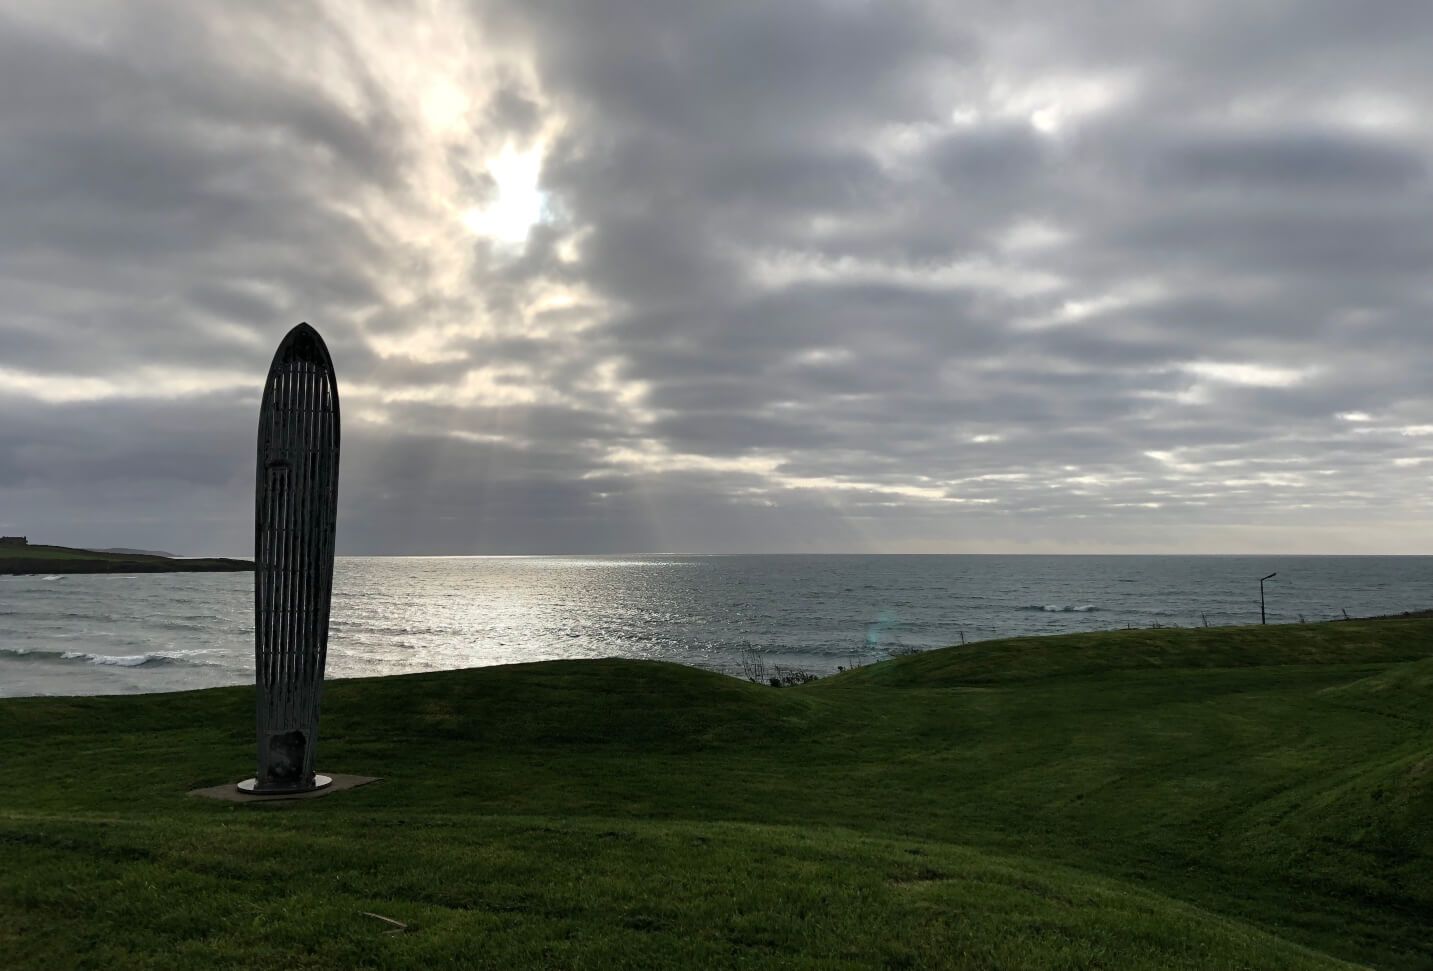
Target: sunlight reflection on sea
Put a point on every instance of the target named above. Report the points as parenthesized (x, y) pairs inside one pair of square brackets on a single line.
[(159, 632)]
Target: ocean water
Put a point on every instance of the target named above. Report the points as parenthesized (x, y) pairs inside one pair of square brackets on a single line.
[(63, 635)]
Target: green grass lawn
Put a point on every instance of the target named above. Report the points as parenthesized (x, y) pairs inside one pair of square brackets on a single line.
[(1228, 798)]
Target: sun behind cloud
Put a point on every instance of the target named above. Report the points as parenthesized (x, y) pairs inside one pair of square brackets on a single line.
[(518, 202)]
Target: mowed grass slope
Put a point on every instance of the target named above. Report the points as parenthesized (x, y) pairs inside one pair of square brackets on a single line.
[(1240, 798)]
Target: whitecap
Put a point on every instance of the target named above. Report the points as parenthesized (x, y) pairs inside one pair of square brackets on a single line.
[(108, 660)]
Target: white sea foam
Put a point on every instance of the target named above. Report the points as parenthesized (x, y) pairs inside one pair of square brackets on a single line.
[(124, 661), (107, 660)]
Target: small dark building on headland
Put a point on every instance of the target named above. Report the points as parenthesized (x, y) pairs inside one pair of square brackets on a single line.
[(14, 541)]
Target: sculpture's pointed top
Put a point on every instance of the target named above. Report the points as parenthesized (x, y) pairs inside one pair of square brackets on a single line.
[(303, 343), (302, 334)]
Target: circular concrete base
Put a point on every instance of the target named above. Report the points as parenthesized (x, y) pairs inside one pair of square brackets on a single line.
[(250, 787)]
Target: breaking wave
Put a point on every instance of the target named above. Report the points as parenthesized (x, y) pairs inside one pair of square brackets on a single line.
[(1063, 608), (83, 657)]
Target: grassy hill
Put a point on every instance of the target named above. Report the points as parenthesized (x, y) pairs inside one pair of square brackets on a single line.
[(1237, 798), (63, 559)]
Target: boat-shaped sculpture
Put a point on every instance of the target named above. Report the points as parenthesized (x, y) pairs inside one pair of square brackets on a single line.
[(295, 511)]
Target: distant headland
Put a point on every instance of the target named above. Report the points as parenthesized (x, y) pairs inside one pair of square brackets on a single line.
[(18, 555)]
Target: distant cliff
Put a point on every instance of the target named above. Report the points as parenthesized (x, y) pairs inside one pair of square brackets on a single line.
[(63, 559), (129, 552)]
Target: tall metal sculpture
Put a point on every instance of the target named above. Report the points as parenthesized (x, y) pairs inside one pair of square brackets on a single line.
[(294, 514)]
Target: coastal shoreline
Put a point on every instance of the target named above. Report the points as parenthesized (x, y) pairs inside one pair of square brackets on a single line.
[(34, 559)]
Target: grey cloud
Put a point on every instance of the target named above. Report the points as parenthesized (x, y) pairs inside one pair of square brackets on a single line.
[(778, 69), (898, 253), (1275, 161), (990, 158)]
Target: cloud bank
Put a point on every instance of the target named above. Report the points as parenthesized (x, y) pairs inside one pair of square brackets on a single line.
[(638, 276)]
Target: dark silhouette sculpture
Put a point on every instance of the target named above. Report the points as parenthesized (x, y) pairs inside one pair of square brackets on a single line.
[(294, 514)]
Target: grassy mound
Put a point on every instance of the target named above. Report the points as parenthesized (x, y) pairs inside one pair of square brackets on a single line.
[(1153, 799), (1082, 655), (37, 558)]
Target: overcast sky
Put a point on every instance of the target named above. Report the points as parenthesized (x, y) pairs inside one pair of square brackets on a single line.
[(657, 276)]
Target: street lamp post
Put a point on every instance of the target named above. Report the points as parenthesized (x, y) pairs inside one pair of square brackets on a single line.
[(1263, 618)]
